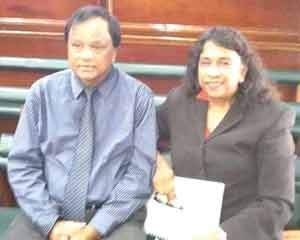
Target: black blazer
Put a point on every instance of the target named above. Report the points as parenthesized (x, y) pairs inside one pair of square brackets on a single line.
[(251, 151)]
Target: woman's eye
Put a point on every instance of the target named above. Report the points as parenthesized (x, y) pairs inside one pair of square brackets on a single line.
[(225, 63), (204, 62)]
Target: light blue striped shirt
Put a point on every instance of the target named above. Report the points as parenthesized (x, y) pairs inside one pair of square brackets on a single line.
[(45, 142)]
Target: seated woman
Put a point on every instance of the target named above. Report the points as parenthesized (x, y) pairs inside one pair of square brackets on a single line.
[(225, 124)]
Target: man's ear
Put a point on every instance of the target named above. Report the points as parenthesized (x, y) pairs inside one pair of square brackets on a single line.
[(114, 58)]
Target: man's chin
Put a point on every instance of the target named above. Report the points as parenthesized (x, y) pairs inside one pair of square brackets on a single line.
[(88, 81)]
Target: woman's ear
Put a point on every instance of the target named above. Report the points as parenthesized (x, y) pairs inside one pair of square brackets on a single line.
[(243, 73)]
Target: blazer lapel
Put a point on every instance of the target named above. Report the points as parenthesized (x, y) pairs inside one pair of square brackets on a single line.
[(198, 122), (233, 117)]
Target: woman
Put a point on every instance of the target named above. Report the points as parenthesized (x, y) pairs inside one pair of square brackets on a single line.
[(224, 124)]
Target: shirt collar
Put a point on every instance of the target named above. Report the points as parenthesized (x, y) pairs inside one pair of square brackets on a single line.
[(104, 88), (202, 96)]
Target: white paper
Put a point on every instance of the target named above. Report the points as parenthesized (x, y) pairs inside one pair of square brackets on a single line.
[(201, 201)]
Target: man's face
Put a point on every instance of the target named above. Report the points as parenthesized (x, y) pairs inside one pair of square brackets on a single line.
[(220, 71), (90, 50)]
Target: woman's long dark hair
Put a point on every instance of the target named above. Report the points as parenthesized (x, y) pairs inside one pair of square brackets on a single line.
[(255, 89)]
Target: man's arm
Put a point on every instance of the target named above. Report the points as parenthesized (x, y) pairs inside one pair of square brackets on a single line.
[(25, 167), (134, 188)]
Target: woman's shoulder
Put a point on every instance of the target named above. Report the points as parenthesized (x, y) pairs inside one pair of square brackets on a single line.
[(273, 106), (273, 110), (178, 94)]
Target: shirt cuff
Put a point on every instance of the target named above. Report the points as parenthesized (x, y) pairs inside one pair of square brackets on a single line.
[(47, 223), (222, 234), (103, 223)]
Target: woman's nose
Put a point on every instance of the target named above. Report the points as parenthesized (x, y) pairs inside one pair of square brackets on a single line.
[(213, 70)]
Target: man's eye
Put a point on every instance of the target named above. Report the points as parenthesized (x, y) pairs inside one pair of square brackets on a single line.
[(97, 47), (76, 45)]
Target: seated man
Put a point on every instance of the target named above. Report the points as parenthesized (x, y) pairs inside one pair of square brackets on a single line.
[(84, 149)]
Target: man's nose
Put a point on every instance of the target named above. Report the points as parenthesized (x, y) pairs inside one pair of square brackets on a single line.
[(87, 53)]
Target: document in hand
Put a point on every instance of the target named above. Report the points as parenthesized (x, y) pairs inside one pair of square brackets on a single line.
[(196, 210)]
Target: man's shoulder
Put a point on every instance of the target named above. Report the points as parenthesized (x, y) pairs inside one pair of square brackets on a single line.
[(51, 82), (54, 78), (132, 85)]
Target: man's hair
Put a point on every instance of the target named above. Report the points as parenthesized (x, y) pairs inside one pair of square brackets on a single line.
[(255, 88), (91, 11)]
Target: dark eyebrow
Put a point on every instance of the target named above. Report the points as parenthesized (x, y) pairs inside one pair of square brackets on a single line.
[(98, 41), (204, 58), (75, 40), (225, 58)]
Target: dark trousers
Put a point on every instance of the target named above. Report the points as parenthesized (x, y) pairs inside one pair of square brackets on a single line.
[(22, 228)]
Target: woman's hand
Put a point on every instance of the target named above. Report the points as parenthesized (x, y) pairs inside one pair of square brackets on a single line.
[(219, 234), (291, 235), (163, 180)]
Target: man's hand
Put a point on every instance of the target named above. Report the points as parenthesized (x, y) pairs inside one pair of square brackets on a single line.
[(62, 230), (163, 180), (86, 233)]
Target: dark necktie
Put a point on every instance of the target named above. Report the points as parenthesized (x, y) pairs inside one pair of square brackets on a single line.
[(77, 186)]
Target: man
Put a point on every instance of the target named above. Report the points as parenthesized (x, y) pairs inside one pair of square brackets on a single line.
[(92, 114)]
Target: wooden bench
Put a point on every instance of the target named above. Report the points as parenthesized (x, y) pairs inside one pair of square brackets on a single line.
[(7, 215), (287, 80), (278, 76)]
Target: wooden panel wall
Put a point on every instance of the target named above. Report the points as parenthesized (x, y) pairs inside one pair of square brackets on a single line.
[(34, 28), (273, 26), (154, 31), (6, 196)]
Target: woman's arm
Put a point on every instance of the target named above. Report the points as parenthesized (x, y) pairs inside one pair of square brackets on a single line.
[(163, 180), (267, 215)]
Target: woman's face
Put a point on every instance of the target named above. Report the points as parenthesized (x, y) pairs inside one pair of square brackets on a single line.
[(220, 71)]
